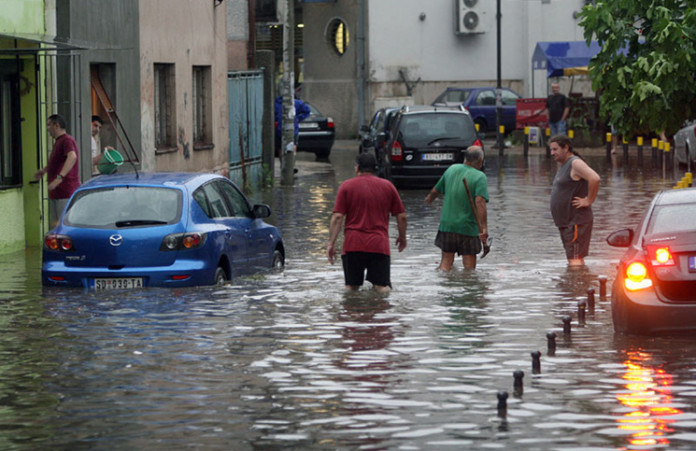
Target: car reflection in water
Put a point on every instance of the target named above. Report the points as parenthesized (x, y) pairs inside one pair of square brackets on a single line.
[(648, 397)]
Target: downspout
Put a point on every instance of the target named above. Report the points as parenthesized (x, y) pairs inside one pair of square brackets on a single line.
[(360, 57)]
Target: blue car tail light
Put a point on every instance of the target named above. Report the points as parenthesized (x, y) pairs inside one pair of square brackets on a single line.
[(182, 241), (60, 243)]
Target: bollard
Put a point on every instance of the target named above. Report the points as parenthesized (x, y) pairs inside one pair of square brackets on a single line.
[(518, 385), (551, 343), (582, 305), (669, 162), (625, 149), (639, 142), (526, 142), (590, 300), (608, 145), (571, 133), (566, 325), (602, 287), (536, 362), (547, 133), (661, 154), (502, 401)]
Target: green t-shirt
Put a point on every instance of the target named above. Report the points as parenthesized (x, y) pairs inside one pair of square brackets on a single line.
[(457, 216)]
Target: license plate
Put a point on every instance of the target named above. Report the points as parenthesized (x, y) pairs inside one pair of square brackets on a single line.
[(124, 283), (437, 156), (306, 126), (692, 263)]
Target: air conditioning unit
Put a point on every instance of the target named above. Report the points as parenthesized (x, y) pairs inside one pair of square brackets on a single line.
[(472, 16)]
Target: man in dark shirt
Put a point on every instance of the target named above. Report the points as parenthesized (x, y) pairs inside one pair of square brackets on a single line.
[(557, 108), (62, 168)]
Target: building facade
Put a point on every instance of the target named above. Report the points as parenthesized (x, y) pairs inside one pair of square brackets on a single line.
[(381, 49)]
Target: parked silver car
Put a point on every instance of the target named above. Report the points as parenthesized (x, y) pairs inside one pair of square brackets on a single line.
[(685, 145)]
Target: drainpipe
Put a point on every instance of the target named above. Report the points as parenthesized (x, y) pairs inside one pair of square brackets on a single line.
[(360, 56)]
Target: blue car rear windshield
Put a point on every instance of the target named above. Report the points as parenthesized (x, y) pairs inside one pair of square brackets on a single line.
[(141, 205)]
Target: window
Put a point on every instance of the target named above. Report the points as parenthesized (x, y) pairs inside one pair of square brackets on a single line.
[(10, 144), (337, 36), (202, 108), (165, 111), (236, 200)]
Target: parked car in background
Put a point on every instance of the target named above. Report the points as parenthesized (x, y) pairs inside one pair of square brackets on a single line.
[(316, 133), (425, 141), (480, 102), (685, 145), (655, 286), (158, 229), (374, 137)]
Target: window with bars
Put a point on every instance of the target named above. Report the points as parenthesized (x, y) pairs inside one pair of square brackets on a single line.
[(10, 147), (202, 108), (165, 107)]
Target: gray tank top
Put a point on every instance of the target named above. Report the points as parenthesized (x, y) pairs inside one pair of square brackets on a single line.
[(562, 193)]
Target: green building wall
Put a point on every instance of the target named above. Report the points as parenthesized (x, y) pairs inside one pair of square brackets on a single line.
[(20, 208)]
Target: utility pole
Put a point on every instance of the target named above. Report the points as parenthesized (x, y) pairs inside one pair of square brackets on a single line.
[(287, 155), (499, 88)]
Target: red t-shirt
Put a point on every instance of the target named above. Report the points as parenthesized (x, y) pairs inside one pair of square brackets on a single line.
[(63, 145), (366, 201)]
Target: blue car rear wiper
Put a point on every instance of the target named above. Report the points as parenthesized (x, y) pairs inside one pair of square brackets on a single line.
[(139, 222)]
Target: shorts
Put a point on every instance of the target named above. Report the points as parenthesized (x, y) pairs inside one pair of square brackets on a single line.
[(456, 242), (377, 266), (55, 210), (576, 240)]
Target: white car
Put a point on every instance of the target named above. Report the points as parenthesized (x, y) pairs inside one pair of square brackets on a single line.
[(685, 145)]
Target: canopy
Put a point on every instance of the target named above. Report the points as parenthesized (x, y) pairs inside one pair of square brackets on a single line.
[(564, 57)]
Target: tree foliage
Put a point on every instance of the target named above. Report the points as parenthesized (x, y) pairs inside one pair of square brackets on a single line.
[(645, 70)]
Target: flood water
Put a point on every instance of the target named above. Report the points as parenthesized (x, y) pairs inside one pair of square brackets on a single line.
[(289, 361)]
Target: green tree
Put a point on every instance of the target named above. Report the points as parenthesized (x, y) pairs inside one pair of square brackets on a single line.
[(645, 70)]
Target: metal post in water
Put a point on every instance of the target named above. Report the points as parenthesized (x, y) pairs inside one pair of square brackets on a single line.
[(566, 324), (502, 402), (590, 300), (582, 305), (536, 362), (654, 151), (518, 384), (602, 287), (551, 343), (639, 142), (625, 149), (608, 138)]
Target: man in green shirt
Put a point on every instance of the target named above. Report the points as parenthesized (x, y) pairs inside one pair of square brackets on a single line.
[(458, 232)]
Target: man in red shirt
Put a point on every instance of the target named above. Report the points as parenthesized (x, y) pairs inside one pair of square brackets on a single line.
[(62, 168), (365, 202)]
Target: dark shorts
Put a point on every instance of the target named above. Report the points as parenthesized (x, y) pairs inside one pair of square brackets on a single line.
[(576, 240), (377, 266), (455, 242)]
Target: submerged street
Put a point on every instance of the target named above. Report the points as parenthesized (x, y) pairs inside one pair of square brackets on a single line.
[(288, 360)]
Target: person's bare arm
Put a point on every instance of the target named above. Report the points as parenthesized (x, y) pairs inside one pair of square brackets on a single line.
[(432, 195), (401, 224), (582, 170), (70, 161), (334, 230), (482, 213)]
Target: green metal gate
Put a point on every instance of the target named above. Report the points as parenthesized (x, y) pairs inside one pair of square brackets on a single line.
[(245, 100)]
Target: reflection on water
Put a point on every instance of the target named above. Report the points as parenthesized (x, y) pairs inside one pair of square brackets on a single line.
[(651, 416), (289, 361)]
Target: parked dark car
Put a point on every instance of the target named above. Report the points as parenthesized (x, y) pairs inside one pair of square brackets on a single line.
[(425, 141), (480, 102), (376, 133), (158, 229), (316, 133), (655, 286), (685, 145)]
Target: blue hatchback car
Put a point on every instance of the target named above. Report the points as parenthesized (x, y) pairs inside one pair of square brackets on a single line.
[(159, 229), (480, 102)]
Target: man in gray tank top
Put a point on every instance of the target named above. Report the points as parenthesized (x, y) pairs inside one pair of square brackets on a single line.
[(574, 190)]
